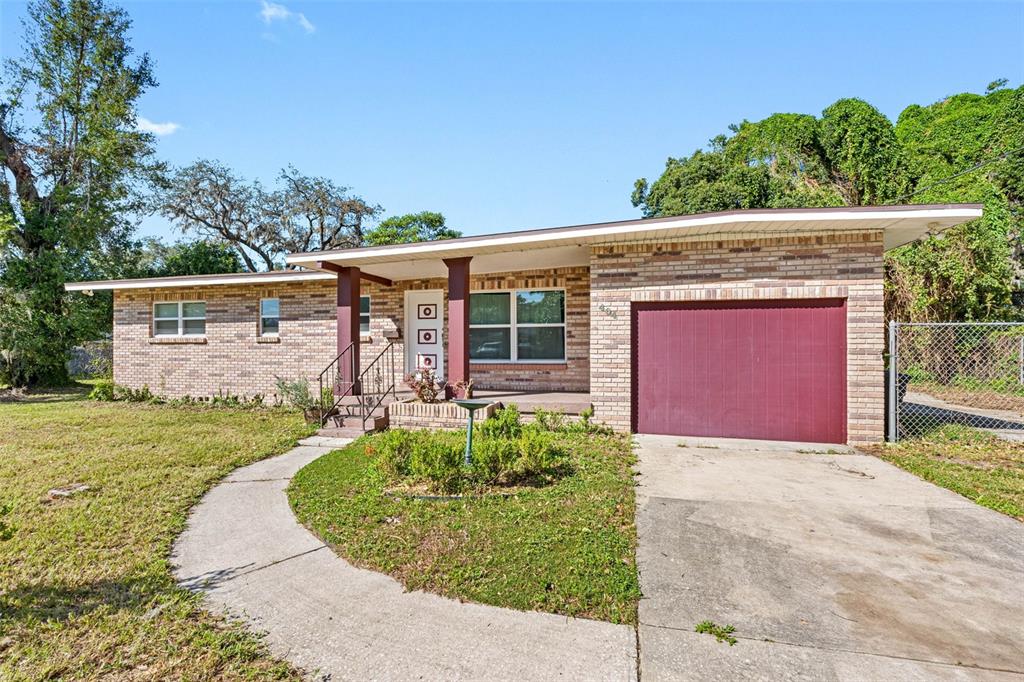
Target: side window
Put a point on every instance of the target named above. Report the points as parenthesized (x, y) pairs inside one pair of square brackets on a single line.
[(184, 318), (364, 314), (270, 316)]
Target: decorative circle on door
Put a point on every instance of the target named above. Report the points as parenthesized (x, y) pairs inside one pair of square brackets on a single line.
[(426, 311), (426, 360), (426, 336)]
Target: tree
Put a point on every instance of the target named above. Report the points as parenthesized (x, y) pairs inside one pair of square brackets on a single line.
[(853, 155), (413, 227), (303, 213), (73, 176), (968, 273), (198, 258)]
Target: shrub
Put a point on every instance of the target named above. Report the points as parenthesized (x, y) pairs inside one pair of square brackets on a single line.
[(552, 420), (504, 424), (586, 424), (394, 448), (296, 393), (493, 457), (437, 458), (103, 390), (135, 395), (539, 454)]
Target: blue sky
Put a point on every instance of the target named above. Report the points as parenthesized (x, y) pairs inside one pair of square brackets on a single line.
[(520, 115)]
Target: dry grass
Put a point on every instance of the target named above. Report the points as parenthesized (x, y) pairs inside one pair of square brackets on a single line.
[(85, 587)]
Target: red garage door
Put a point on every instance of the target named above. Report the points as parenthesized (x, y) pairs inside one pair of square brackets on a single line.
[(767, 369)]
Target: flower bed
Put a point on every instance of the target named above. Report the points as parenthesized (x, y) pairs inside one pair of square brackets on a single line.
[(411, 414)]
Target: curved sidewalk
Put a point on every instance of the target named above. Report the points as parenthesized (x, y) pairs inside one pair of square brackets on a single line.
[(245, 550)]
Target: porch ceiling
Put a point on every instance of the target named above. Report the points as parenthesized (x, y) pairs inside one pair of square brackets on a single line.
[(570, 246)]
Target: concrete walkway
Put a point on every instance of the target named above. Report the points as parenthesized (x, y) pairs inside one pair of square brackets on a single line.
[(830, 565), (244, 549)]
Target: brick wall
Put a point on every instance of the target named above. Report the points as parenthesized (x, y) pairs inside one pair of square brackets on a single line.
[(411, 415), (841, 265), (232, 358)]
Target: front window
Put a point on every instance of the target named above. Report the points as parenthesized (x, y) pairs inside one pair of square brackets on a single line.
[(513, 326), (270, 316), (364, 314), (180, 318)]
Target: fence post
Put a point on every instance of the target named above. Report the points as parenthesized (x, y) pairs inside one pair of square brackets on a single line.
[(893, 378)]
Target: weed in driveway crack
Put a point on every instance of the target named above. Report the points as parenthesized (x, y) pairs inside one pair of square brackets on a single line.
[(723, 633)]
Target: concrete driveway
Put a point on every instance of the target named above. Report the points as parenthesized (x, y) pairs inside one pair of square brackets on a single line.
[(829, 566)]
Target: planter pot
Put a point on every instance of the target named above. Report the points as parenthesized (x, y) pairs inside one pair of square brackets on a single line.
[(409, 414)]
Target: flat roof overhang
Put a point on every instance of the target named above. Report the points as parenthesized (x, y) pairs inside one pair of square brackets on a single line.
[(570, 246)]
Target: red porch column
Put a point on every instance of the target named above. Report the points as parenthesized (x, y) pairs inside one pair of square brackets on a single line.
[(458, 321), (348, 323)]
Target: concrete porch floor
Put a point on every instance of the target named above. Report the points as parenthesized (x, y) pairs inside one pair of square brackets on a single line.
[(528, 401)]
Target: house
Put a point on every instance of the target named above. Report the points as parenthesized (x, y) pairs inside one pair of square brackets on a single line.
[(757, 324)]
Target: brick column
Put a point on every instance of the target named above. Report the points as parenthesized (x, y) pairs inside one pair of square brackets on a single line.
[(348, 322), (458, 321)]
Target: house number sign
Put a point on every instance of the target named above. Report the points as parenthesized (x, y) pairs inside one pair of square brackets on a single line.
[(608, 311)]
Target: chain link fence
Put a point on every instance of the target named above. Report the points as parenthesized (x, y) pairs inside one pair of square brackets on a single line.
[(968, 373)]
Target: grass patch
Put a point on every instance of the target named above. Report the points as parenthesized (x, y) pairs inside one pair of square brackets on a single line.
[(568, 547), (723, 633), (85, 585), (980, 466)]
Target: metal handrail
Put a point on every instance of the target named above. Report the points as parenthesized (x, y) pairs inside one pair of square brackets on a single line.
[(331, 382), (376, 389)]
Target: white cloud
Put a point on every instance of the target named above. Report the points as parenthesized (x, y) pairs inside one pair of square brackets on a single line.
[(272, 12), (161, 129)]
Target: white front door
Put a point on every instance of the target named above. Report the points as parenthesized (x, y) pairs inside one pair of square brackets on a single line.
[(424, 319)]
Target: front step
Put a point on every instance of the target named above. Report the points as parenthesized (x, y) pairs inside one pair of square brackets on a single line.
[(377, 422), (331, 433), (351, 426)]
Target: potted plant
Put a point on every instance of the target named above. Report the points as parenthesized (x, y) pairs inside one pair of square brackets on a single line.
[(425, 385)]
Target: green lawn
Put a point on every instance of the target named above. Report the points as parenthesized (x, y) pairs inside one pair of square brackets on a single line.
[(978, 465), (567, 548), (85, 587)]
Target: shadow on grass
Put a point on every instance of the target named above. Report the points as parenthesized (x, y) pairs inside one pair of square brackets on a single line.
[(917, 420), (61, 602), (51, 394), (30, 603)]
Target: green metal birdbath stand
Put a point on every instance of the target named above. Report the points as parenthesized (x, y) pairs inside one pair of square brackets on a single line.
[(472, 406)]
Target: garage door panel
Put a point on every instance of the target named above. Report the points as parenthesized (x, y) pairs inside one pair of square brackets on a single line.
[(773, 369)]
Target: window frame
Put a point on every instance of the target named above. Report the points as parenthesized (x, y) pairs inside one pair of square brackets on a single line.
[(262, 316), (513, 326), (368, 313), (180, 318)]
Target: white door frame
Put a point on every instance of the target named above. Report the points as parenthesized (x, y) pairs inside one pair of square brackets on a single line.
[(410, 338)]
